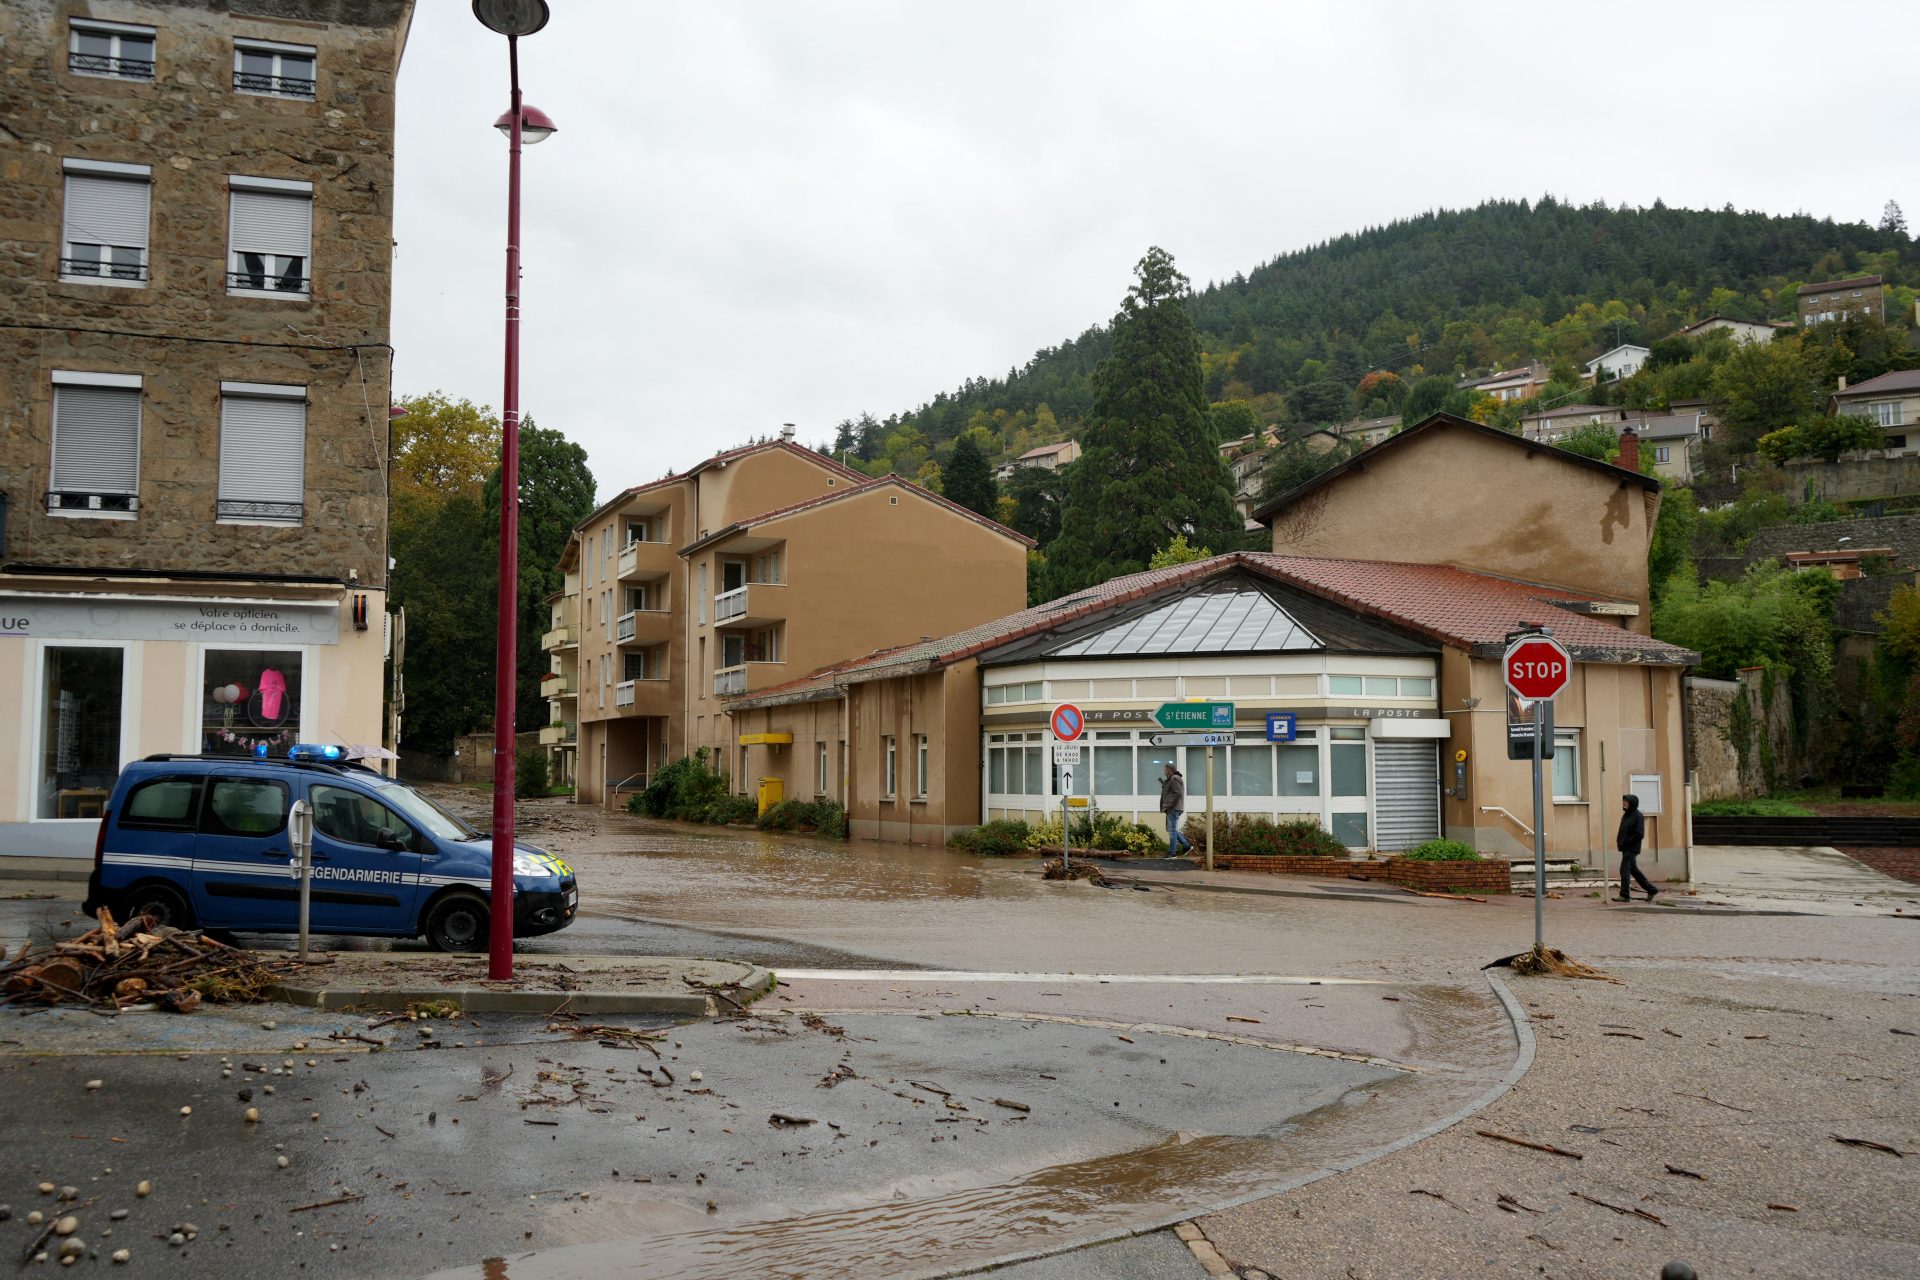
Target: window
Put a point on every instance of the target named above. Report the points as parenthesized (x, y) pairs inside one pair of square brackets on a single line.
[(276, 70), (263, 452), (920, 765), (1348, 762), (821, 776), (887, 781), (1566, 764), (271, 236), (116, 50), (636, 531), (340, 814), (165, 804), (96, 444), (701, 596), (1663, 453), (245, 807), (1250, 768), (249, 699), (1344, 685), (633, 666), (104, 230), (82, 690), (1028, 692), (1888, 413)]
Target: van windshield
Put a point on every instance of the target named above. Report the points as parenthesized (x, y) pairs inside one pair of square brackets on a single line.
[(425, 813)]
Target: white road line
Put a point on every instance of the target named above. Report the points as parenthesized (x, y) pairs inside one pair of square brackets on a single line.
[(962, 975)]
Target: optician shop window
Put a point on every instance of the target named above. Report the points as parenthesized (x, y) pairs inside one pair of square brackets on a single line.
[(250, 697), (82, 694)]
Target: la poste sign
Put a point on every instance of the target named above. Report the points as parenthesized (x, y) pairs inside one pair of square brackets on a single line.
[(1536, 667)]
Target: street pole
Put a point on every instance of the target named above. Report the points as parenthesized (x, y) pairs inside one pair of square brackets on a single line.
[(1209, 808), (300, 834), (1066, 837), (1539, 829)]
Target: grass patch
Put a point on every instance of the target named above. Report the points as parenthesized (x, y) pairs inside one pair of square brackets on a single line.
[(1758, 807)]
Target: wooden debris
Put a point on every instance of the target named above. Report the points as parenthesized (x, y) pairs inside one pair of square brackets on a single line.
[(1422, 1191), (1553, 962), (1011, 1105), (1871, 1145), (1625, 1035), (781, 1120), (1512, 1205), (1715, 1101), (1234, 1017), (327, 1204), (1678, 1172), (1620, 1209), (116, 966), (1547, 1147), (1785, 1208)]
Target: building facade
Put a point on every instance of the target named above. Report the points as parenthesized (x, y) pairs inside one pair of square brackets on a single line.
[(1622, 362), (1891, 402), (1746, 331), (198, 211), (1856, 298)]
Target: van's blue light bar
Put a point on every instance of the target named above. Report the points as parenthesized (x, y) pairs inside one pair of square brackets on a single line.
[(314, 751)]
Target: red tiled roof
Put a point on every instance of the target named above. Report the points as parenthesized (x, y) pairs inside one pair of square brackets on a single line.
[(867, 485)]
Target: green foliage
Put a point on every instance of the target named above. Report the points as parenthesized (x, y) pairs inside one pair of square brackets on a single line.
[(1670, 553), (1442, 851), (1177, 552), (1037, 494), (1324, 400), (998, 838), (683, 789), (442, 447), (530, 772), (1426, 399), (1594, 440), (823, 816), (1292, 464), (1382, 388), (726, 810), (1818, 436), (1235, 420), (1773, 617), (449, 602), (1904, 781), (967, 480), (1150, 466), (1246, 835), (1759, 807)]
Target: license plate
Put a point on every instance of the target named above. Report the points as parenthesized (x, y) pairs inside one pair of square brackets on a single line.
[(573, 897)]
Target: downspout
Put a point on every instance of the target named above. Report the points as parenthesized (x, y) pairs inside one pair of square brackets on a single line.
[(916, 760)]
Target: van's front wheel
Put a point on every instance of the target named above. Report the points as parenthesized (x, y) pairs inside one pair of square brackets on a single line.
[(164, 903), (457, 922)]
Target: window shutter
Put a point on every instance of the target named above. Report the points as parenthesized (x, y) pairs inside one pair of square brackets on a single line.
[(272, 222), (107, 211), (263, 448), (96, 440)]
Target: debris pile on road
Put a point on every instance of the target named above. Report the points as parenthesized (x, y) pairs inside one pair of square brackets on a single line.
[(1057, 869), (137, 965), (1551, 961)]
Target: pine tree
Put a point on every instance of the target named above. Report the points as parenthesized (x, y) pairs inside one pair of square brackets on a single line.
[(1893, 219), (1150, 467), (968, 480)]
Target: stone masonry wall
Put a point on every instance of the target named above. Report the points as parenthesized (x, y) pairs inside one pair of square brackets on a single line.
[(182, 332)]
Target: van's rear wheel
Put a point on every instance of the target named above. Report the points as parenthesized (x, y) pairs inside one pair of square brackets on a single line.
[(164, 903), (457, 923)]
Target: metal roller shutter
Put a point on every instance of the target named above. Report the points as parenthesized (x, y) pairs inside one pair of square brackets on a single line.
[(107, 211), (272, 222), (263, 449), (1406, 793), (96, 440)]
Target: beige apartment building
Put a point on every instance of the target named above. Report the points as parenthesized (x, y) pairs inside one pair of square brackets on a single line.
[(701, 588), (197, 213)]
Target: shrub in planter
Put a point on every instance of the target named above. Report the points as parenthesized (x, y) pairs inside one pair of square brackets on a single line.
[(683, 789), (1299, 838), (530, 772), (723, 810), (790, 815), (1442, 851), (999, 838), (1044, 834), (830, 818)]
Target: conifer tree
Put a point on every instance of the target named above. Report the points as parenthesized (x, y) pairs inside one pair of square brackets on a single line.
[(968, 480), (1150, 467)]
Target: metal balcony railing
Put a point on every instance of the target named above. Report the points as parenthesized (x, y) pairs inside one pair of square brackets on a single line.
[(623, 694), (730, 682), (101, 269), (624, 627), (730, 604), (266, 283), (247, 509), (99, 64), (284, 86)]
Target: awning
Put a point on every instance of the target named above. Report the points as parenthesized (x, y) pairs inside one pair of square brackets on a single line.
[(1396, 727), (765, 739)]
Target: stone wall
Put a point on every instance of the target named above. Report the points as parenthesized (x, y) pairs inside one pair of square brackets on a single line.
[(1853, 480), (181, 331), (1741, 740)]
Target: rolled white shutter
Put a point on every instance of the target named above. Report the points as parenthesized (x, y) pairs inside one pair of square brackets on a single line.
[(272, 222), (263, 450), (96, 440), (107, 211), (1406, 793)]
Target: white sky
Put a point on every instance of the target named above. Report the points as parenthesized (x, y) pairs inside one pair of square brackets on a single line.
[(769, 211)]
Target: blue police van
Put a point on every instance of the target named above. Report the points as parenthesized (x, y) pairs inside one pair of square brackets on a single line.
[(204, 841)]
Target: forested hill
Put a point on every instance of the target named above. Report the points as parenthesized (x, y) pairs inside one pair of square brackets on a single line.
[(1450, 291)]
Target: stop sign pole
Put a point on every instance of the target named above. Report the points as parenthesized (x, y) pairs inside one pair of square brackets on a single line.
[(1536, 667)]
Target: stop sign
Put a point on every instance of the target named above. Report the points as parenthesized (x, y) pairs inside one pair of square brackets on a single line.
[(1536, 667)]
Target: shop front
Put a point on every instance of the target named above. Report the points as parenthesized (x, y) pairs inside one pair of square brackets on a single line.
[(104, 677)]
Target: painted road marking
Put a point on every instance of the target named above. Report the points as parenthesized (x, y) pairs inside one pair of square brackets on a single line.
[(962, 975)]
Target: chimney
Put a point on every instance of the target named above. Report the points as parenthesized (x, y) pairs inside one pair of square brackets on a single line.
[(1629, 450), (786, 431), (1843, 382)]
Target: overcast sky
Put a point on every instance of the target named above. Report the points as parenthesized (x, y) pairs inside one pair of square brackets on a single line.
[(771, 211)]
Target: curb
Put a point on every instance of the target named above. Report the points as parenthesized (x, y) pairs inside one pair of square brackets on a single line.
[(1251, 891), (758, 982)]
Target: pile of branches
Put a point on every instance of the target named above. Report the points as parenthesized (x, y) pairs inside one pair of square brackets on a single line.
[(1079, 869), (136, 965)]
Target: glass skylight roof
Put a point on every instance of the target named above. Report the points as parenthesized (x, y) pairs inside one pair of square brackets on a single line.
[(1216, 622)]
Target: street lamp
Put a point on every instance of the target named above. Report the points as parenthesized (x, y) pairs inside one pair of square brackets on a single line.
[(521, 123)]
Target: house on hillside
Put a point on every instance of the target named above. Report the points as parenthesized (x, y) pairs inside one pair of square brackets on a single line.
[(1623, 361), (1523, 383), (1855, 298), (1549, 425), (1673, 442), (1048, 457), (1368, 431), (1891, 400), (1747, 331)]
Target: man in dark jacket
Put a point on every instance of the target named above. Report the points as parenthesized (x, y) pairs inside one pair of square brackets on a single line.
[(1173, 803), (1633, 829)]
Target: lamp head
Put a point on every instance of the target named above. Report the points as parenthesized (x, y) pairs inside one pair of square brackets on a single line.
[(535, 124), (512, 17)]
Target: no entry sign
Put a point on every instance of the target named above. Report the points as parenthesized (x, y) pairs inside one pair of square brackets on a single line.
[(1536, 667), (1067, 723)]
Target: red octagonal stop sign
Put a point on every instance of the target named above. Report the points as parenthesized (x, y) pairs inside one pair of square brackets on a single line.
[(1536, 667)]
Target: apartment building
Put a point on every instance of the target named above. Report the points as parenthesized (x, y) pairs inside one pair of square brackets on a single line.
[(561, 688), (703, 587), (197, 215)]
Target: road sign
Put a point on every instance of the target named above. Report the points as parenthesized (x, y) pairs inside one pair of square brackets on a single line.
[(1191, 740), (1281, 726), (1536, 667), (1194, 715), (1067, 722), (1066, 753)]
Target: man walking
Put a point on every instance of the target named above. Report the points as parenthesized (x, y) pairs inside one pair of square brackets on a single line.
[(1633, 829), (1173, 803)]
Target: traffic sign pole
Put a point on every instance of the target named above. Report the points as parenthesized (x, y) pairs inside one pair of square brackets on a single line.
[(1536, 667), (1539, 831), (1209, 808)]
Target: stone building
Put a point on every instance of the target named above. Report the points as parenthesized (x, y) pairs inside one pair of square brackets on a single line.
[(196, 219), (1856, 297)]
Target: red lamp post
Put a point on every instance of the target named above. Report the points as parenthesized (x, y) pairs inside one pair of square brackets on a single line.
[(512, 19)]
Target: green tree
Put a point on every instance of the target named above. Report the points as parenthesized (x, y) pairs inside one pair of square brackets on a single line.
[(967, 479), (1177, 552), (1150, 466), (1594, 440), (1383, 385), (556, 493), (1426, 399), (1322, 400), (1235, 420), (1818, 436), (1762, 388), (1037, 495), (1892, 220), (1290, 465), (1670, 551), (442, 446)]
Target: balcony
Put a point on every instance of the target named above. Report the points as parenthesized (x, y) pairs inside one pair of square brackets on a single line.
[(560, 684), (562, 637), (730, 682), (642, 561), (623, 694), (642, 627), (559, 733), (758, 604)]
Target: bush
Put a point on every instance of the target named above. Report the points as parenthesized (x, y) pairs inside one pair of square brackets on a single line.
[(823, 816), (998, 838), (530, 772), (1762, 807), (1442, 851), (1904, 782), (683, 789), (724, 809), (1249, 836)]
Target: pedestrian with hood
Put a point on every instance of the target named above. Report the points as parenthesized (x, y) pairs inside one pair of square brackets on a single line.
[(1173, 803), (1633, 829)]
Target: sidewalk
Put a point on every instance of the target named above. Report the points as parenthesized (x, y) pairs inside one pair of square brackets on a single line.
[(545, 984)]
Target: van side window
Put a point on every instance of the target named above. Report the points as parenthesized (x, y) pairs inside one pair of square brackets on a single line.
[(165, 804), (245, 807), (349, 816)]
